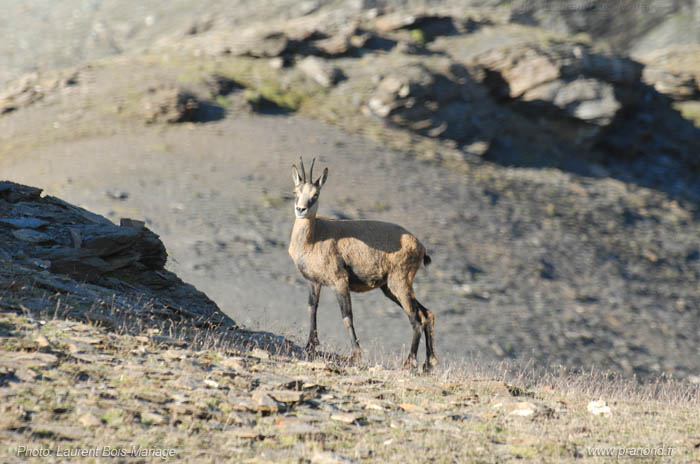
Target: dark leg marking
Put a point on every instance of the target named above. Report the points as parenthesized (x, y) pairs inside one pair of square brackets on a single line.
[(406, 302), (428, 322), (343, 296), (314, 294)]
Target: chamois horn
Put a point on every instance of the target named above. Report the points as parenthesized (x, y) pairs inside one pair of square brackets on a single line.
[(303, 171)]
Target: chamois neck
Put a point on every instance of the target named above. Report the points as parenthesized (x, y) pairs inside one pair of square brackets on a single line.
[(303, 231)]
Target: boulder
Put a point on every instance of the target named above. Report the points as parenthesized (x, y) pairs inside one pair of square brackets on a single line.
[(258, 42), (673, 71), (585, 99), (573, 91), (678, 86), (320, 71), (512, 71), (436, 104), (170, 105)]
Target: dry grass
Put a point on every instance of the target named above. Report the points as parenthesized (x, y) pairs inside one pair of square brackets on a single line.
[(163, 385)]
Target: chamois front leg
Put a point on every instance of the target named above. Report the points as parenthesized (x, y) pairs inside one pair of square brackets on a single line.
[(342, 292), (314, 294)]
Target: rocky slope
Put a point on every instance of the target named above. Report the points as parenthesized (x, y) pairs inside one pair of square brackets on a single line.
[(76, 391)]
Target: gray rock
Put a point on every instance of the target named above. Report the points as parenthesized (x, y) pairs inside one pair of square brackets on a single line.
[(82, 245), (31, 236), (434, 104), (170, 105), (525, 67), (260, 42), (24, 222), (678, 86), (306, 7), (586, 99), (15, 193), (320, 71)]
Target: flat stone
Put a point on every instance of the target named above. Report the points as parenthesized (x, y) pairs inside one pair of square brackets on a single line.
[(32, 236), (152, 418), (151, 396), (410, 407), (29, 360), (286, 396), (345, 417), (24, 222), (264, 402), (89, 420), (379, 405)]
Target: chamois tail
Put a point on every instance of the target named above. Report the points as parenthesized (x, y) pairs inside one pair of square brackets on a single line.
[(427, 260)]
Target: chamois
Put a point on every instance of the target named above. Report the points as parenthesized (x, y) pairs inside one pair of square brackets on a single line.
[(356, 256)]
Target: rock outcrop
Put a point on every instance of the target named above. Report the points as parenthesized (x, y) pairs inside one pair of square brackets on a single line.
[(103, 269), (562, 80), (448, 105), (170, 105), (32, 87)]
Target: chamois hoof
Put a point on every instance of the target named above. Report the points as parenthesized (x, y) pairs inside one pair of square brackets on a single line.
[(410, 363), (430, 363), (310, 350), (355, 356)]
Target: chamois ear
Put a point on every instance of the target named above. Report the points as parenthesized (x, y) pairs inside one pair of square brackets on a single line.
[(322, 180), (296, 176)]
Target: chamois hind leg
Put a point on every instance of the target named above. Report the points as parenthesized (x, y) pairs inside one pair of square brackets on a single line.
[(314, 294), (428, 322), (401, 294), (342, 293)]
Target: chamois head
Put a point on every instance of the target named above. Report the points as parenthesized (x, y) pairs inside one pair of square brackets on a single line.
[(306, 191)]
